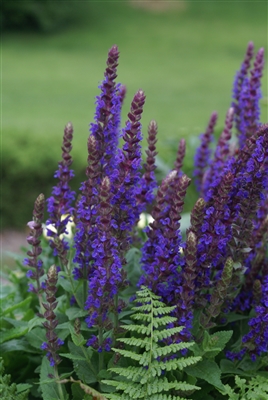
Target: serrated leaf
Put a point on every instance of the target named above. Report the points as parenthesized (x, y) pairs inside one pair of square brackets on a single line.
[(36, 321), (72, 356), (83, 368), (16, 345), (13, 333), (36, 337), (209, 371), (78, 339), (74, 312), (21, 387), (216, 343), (16, 306), (48, 387)]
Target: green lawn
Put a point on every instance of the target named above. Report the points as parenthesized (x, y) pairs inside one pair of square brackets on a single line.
[(184, 60)]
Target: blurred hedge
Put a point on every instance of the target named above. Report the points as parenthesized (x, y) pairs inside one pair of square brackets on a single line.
[(40, 15)]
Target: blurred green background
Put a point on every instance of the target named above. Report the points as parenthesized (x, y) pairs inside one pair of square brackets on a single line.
[(183, 54)]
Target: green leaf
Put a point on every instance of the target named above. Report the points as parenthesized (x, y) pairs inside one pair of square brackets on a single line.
[(217, 342), (65, 283), (78, 339), (21, 387), (78, 393), (21, 304), (36, 321), (48, 387), (13, 333), (83, 368), (209, 371), (74, 312), (16, 345), (36, 337), (73, 356)]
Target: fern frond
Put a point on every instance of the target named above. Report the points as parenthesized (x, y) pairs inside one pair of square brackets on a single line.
[(164, 334), (129, 354), (173, 348), (156, 311), (140, 329), (157, 321), (133, 341), (174, 364), (147, 380), (132, 372)]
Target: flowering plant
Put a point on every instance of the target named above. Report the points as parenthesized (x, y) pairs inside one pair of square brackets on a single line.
[(200, 319)]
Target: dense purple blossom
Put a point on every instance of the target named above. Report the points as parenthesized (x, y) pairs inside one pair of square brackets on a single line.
[(125, 179), (240, 82), (161, 253), (107, 117), (247, 94), (256, 341), (86, 213), (60, 203), (107, 276)]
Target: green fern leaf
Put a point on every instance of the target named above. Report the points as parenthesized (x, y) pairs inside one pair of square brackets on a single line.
[(147, 380)]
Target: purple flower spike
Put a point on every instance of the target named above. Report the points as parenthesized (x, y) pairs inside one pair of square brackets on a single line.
[(161, 253), (107, 117), (53, 342), (247, 95), (87, 212), (59, 205), (108, 275), (148, 181), (203, 153), (33, 261), (216, 168), (180, 155), (126, 178), (256, 341), (239, 83)]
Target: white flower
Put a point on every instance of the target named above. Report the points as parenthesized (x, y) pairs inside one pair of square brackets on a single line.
[(145, 220), (51, 227)]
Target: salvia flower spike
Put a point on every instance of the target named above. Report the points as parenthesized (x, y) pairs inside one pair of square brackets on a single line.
[(59, 205), (53, 343), (33, 261)]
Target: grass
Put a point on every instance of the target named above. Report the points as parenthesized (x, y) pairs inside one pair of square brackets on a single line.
[(184, 60)]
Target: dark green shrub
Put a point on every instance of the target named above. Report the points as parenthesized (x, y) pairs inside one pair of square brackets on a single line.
[(39, 15)]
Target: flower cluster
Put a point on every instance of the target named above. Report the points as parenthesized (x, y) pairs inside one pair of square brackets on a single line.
[(222, 263)]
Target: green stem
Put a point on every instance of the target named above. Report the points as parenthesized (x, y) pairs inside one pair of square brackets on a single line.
[(100, 345), (116, 319), (58, 384), (68, 272)]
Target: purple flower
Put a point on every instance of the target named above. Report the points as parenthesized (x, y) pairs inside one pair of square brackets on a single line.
[(107, 118), (107, 275), (256, 341), (161, 252)]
